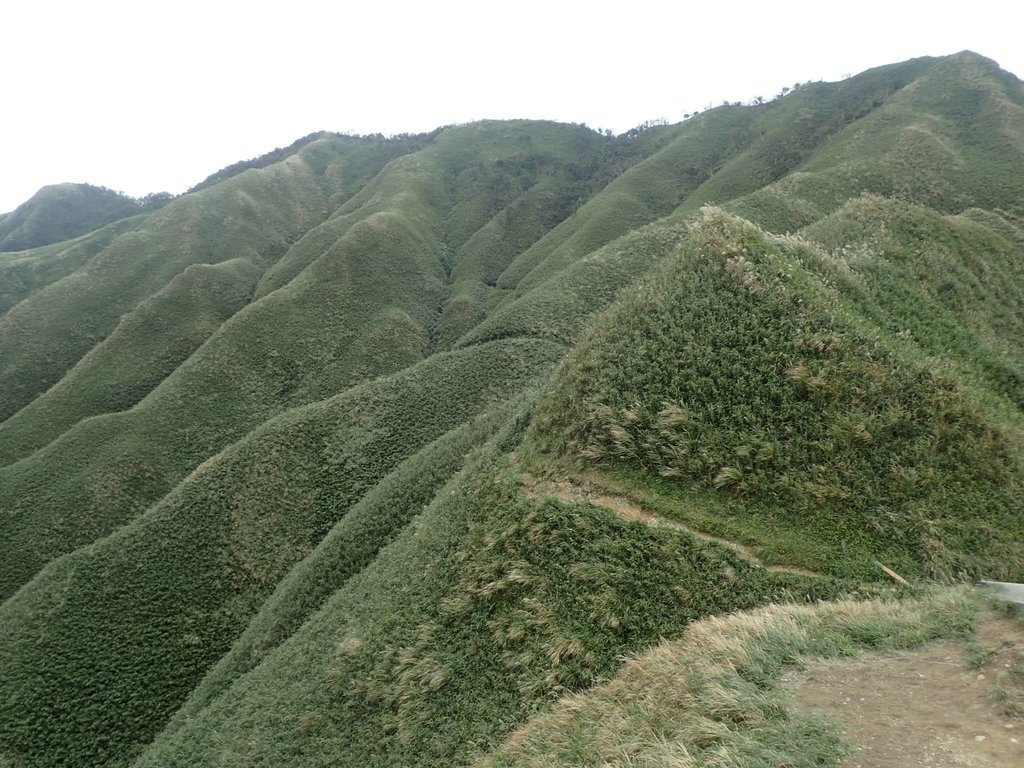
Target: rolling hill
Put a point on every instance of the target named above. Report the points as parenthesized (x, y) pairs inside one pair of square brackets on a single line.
[(369, 451)]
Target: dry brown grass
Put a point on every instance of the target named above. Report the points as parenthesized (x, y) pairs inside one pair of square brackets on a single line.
[(709, 698)]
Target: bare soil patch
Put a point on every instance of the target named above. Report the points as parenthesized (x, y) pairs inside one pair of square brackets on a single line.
[(928, 707)]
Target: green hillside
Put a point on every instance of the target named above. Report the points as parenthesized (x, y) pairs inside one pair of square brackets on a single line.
[(378, 451), (63, 211)]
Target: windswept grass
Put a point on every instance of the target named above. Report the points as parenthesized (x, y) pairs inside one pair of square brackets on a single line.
[(252, 216), (362, 309), (926, 141), (736, 369), (711, 698), (265, 500), (513, 602)]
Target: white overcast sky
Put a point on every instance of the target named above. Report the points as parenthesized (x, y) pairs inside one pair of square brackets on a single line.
[(144, 97)]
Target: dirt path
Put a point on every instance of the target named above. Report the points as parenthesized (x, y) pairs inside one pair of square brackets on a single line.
[(628, 510), (922, 708)]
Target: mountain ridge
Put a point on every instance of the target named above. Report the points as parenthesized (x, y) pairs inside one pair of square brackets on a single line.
[(263, 449)]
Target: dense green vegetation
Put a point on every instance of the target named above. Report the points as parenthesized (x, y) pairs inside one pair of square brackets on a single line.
[(516, 600), (737, 367), (62, 211), (273, 455)]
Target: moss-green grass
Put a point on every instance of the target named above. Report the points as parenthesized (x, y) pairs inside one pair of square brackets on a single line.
[(737, 369), (941, 132), (642, 193), (362, 309), (560, 307), (146, 346), (253, 216), (514, 601), (280, 552), (23, 273), (60, 212), (90, 680)]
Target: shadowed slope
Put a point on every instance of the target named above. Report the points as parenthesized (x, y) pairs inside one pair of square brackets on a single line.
[(60, 212), (23, 273), (147, 345), (483, 608), (364, 305), (560, 307), (320, 334), (95, 679), (646, 191)]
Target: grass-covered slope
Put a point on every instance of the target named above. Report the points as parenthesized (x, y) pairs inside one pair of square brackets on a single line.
[(713, 697), (146, 346), (96, 678), (23, 273), (363, 302), (251, 216), (274, 455), (560, 307), (948, 138), (951, 286), (644, 192), (743, 369), (60, 212), (513, 600), (358, 311)]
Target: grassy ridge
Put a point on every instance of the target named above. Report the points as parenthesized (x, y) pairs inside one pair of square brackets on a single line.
[(278, 538), (793, 131), (737, 370), (350, 546), (252, 216), (365, 305), (949, 148), (950, 286), (145, 347), (60, 212), (712, 697), (644, 192), (95, 679), (23, 273), (513, 601), (362, 309), (560, 307)]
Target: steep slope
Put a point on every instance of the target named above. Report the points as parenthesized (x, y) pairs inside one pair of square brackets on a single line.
[(23, 273), (145, 347), (362, 306), (246, 218), (181, 581), (281, 499), (949, 138), (515, 600), (744, 370)]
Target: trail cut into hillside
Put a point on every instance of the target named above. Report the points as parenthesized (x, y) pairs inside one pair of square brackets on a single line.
[(943, 705), (569, 491)]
